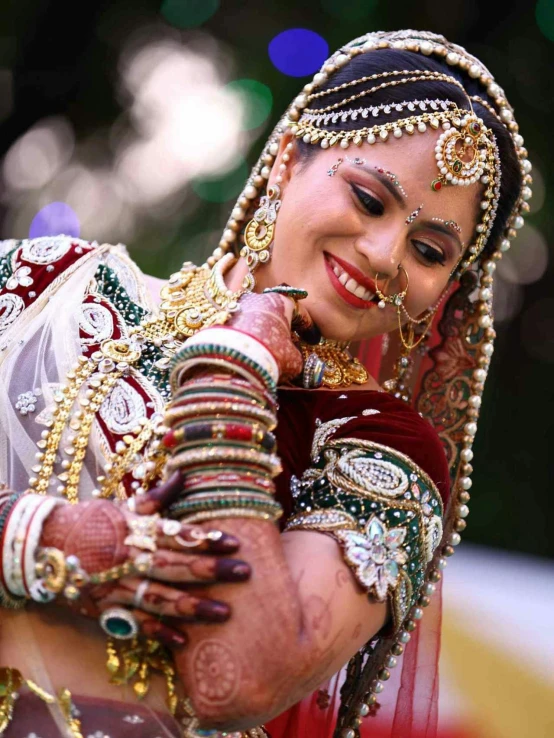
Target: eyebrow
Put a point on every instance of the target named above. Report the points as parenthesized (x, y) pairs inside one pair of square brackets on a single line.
[(386, 182), (445, 230)]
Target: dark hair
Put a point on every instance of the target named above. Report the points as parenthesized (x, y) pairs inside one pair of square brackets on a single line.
[(388, 60)]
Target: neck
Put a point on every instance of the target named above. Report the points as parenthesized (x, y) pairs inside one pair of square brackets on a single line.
[(235, 275)]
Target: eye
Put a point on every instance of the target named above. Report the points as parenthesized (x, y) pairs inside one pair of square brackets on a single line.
[(430, 254), (371, 204)]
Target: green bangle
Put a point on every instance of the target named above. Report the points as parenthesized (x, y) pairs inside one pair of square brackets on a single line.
[(199, 350)]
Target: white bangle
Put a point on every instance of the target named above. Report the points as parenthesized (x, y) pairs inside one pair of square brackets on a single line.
[(32, 539), (239, 341), (16, 546), (14, 540)]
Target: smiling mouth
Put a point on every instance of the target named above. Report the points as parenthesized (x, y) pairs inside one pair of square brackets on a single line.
[(353, 292)]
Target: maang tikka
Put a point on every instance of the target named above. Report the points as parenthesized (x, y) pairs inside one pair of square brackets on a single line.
[(258, 234)]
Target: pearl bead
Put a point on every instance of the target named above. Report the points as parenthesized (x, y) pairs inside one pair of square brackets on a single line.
[(320, 78), (505, 245), (265, 172), (301, 101), (324, 143), (465, 483), (489, 267), (488, 349), (274, 149), (370, 138), (455, 539), (474, 71), (518, 222), (485, 321), (238, 214), (417, 613), (466, 454), (463, 511), (485, 294), (229, 235), (470, 428), (345, 143), (404, 637), (363, 709), (421, 127), (378, 687), (526, 166), (480, 375), (452, 58), (383, 134), (506, 115), (330, 68), (526, 193), (429, 589), (349, 733), (474, 401), (341, 60), (397, 133), (250, 192), (391, 662), (426, 48), (441, 563)]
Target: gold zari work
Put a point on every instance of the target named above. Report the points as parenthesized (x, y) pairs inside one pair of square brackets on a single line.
[(341, 368)]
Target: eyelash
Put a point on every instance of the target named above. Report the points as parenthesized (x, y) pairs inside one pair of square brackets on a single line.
[(375, 207)]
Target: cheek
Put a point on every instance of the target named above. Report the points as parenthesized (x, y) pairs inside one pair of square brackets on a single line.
[(424, 291)]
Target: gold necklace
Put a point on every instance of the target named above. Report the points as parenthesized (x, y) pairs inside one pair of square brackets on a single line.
[(341, 368)]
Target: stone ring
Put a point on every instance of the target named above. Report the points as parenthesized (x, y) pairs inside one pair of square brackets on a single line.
[(119, 623)]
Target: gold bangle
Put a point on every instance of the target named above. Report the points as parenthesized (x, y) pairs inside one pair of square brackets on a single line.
[(199, 409), (230, 513), (271, 462)]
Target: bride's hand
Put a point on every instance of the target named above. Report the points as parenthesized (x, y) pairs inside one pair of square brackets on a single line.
[(100, 534), (269, 317)]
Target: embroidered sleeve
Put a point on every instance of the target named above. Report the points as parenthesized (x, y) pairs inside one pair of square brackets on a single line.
[(384, 511)]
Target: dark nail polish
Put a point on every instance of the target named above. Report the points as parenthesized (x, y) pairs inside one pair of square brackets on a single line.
[(211, 611), (231, 570), (178, 641), (226, 543)]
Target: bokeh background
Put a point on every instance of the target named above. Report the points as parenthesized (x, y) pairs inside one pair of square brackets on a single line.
[(138, 121)]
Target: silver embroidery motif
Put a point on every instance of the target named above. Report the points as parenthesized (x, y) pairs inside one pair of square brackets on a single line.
[(20, 277), (371, 412), (133, 719), (27, 401), (97, 321), (374, 475), (323, 432), (122, 409), (376, 555), (7, 246), (46, 250), (433, 535), (11, 306)]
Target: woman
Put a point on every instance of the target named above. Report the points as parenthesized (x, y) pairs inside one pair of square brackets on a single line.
[(374, 218)]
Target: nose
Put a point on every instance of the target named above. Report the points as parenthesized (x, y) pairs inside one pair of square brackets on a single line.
[(383, 253)]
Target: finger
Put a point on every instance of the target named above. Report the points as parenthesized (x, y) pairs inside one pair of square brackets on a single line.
[(159, 599), (171, 566), (184, 538), (304, 325), (159, 497)]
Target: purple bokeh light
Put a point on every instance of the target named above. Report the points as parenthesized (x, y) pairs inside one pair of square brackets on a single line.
[(298, 52), (55, 219)]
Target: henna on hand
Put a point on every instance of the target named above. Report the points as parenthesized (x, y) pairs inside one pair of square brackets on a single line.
[(267, 318)]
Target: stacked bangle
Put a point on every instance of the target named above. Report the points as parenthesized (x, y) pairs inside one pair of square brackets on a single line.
[(220, 427), (7, 600)]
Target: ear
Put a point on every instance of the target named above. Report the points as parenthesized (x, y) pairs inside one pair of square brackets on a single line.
[(285, 162)]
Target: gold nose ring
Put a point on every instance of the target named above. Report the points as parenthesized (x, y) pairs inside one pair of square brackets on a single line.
[(398, 298)]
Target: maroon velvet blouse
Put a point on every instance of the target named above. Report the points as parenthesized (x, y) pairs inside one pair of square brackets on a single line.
[(396, 425)]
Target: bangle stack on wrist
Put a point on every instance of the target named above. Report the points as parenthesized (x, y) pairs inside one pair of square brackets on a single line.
[(220, 427), (21, 519)]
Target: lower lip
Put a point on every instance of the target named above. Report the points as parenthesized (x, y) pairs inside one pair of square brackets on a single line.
[(345, 294)]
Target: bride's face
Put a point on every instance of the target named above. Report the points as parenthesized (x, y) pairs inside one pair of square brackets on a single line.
[(335, 234)]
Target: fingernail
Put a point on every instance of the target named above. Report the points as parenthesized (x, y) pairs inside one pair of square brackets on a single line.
[(226, 543), (178, 641), (231, 570), (215, 612)]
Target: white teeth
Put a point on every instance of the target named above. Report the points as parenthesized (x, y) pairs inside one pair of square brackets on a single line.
[(343, 279), (351, 285)]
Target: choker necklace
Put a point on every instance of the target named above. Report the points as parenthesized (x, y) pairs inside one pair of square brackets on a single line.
[(341, 368)]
